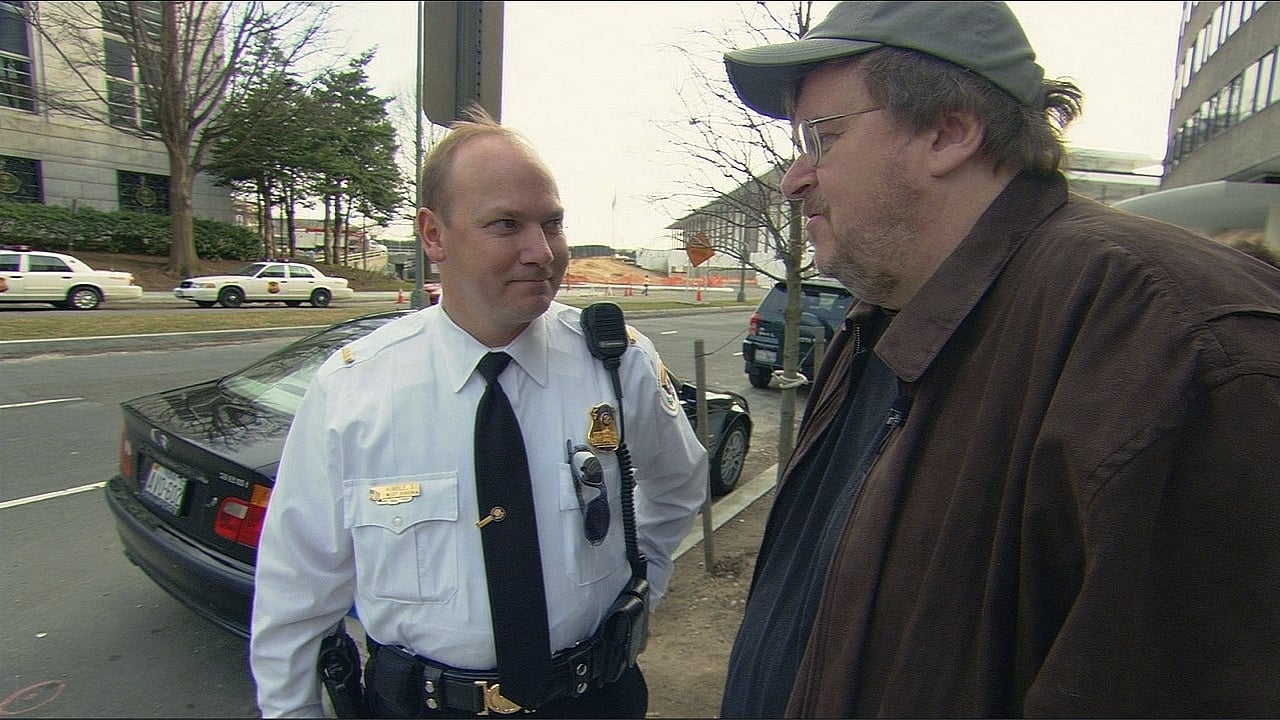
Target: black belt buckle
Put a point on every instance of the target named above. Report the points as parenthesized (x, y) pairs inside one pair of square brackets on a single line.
[(593, 662), (461, 690)]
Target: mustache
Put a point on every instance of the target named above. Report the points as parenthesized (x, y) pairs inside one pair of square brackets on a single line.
[(813, 207)]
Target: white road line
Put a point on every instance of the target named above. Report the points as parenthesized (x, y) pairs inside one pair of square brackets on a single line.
[(38, 402), (52, 495)]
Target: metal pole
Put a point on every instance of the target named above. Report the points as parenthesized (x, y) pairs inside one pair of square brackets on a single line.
[(742, 273), (419, 257), (704, 436)]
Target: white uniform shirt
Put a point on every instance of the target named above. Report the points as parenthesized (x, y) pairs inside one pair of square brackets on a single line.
[(398, 406)]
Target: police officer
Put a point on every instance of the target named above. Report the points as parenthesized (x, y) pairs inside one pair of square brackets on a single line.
[(375, 500)]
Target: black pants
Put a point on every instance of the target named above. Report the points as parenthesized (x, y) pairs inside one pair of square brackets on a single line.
[(628, 697)]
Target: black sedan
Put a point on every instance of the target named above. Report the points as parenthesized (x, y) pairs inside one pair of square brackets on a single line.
[(197, 465)]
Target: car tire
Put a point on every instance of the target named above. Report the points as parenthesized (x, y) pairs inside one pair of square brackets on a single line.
[(320, 298), (84, 298), (731, 454), (231, 297), (205, 303), (759, 376)]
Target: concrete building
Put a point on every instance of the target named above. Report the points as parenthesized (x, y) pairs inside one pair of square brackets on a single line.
[(1109, 176), (1222, 167), (54, 158)]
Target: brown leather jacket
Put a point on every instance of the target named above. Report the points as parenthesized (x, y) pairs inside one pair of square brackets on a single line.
[(1081, 514)]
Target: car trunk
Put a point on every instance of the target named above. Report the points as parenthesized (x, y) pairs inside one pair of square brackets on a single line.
[(203, 462)]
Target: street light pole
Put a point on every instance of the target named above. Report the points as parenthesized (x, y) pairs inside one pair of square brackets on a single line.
[(742, 271), (419, 257)]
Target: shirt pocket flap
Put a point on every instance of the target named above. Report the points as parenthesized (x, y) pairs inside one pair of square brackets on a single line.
[(399, 503)]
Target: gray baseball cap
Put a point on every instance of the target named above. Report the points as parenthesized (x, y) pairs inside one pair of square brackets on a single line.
[(982, 37)]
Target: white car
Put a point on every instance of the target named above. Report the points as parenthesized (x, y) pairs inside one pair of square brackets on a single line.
[(287, 282), (36, 276)]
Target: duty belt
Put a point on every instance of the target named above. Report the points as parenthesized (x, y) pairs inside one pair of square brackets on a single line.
[(574, 671)]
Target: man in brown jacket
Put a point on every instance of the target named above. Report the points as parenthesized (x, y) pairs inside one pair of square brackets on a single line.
[(1039, 471)]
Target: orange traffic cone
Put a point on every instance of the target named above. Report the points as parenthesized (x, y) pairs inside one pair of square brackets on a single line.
[(399, 297), (697, 296)]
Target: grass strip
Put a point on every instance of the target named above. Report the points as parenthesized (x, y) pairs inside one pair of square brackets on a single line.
[(45, 325)]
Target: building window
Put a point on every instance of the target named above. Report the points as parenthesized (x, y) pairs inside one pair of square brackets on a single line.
[(1262, 81), (125, 97), (16, 88), (127, 104), (20, 180), (121, 103), (143, 192), (121, 17), (1273, 90), (1248, 81)]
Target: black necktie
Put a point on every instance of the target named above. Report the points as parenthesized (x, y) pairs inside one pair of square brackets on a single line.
[(509, 530)]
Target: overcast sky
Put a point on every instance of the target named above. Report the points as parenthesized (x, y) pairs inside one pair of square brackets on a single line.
[(593, 84)]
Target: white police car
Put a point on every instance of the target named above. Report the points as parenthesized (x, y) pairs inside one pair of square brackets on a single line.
[(36, 276), (288, 282)]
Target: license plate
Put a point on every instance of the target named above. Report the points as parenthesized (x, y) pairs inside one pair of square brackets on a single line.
[(165, 487), (766, 356)]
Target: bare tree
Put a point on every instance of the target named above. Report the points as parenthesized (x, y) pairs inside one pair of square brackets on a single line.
[(742, 155), (169, 71)]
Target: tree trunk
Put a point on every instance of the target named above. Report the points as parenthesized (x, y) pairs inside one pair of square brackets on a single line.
[(264, 216), (291, 219), (183, 261), (327, 239), (791, 335), (339, 236)]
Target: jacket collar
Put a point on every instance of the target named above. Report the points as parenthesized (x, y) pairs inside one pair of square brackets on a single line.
[(916, 336)]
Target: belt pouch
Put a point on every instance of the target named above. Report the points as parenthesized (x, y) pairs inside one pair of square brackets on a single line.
[(624, 628), (393, 684), (339, 668)]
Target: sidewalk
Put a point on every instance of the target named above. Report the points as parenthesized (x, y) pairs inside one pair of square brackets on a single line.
[(734, 503), (692, 631)]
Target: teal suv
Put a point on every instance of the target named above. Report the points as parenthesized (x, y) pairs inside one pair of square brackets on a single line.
[(823, 304)]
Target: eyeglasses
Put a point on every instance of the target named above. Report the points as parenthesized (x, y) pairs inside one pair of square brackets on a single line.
[(809, 141), (593, 499)]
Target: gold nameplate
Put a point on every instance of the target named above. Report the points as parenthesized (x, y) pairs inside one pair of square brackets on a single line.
[(603, 432), (394, 494)]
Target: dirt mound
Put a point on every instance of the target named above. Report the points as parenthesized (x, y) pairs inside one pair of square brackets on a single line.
[(607, 270)]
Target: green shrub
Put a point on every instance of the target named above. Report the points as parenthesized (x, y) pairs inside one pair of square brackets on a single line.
[(59, 228)]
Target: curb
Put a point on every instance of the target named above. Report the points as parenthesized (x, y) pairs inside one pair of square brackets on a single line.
[(725, 510)]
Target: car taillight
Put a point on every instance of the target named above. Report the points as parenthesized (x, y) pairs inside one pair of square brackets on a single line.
[(125, 455), (753, 325), (240, 521)]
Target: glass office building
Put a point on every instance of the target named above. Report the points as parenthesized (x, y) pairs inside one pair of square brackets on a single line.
[(1222, 164)]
